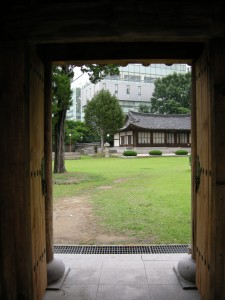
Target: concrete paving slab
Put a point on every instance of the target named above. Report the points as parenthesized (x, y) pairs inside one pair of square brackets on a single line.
[(122, 292), (121, 277)]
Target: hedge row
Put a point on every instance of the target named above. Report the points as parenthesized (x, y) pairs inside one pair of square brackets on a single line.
[(181, 152), (130, 153), (154, 152)]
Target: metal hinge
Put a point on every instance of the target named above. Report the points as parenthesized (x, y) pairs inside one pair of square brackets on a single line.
[(198, 174), (43, 181)]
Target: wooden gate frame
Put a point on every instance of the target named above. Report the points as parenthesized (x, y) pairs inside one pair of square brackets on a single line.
[(15, 131), (210, 267), (208, 172)]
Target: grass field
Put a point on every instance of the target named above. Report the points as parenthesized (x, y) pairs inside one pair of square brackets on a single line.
[(142, 196)]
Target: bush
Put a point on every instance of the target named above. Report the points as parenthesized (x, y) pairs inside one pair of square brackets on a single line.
[(181, 152), (129, 153), (155, 152), (190, 160)]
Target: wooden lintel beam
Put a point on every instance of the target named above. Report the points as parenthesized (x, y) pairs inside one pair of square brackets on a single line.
[(54, 21), (142, 52)]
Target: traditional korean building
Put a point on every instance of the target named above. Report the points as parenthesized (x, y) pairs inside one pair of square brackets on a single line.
[(154, 130)]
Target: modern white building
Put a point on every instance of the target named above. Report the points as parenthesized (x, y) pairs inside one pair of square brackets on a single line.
[(134, 86), (75, 110)]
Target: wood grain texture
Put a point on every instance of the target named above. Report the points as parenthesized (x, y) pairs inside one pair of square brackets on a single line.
[(204, 216), (217, 51), (95, 21), (22, 244), (15, 239), (37, 198)]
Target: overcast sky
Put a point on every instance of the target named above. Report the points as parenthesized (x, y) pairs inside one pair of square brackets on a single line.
[(79, 78)]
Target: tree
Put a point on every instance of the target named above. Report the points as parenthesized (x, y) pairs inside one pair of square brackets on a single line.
[(172, 94), (98, 72), (79, 133), (144, 108), (104, 115), (62, 100)]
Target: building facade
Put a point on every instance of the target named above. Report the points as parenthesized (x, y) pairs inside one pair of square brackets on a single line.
[(133, 87), (75, 110), (154, 130)]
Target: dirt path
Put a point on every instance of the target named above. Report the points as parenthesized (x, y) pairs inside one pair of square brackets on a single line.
[(74, 223)]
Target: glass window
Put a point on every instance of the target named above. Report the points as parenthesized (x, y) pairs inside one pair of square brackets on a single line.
[(170, 137), (183, 138), (148, 79), (116, 89), (114, 77), (158, 137), (144, 138), (133, 78), (128, 90), (139, 90)]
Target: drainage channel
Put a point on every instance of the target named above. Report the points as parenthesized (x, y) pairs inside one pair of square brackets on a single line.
[(151, 249)]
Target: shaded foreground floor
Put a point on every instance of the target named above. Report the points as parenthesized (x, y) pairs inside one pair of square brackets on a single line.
[(121, 277)]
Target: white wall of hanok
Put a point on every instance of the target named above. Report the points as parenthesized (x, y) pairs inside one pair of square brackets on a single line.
[(122, 138), (116, 140)]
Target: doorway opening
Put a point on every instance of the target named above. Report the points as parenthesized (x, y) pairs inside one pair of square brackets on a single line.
[(79, 215)]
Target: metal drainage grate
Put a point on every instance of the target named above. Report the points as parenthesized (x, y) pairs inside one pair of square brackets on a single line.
[(153, 249)]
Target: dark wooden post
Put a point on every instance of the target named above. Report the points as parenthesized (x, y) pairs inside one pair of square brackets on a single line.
[(22, 226), (15, 239), (48, 162), (193, 163), (210, 171), (55, 267), (217, 263), (186, 269)]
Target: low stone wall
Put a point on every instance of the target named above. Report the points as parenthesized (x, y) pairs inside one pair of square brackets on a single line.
[(87, 148), (114, 151), (69, 155)]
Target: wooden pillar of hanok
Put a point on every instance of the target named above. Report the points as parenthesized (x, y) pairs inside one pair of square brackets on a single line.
[(22, 227), (193, 164), (186, 268), (55, 267), (48, 163), (135, 138)]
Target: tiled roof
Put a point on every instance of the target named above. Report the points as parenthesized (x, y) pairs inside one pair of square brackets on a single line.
[(156, 121)]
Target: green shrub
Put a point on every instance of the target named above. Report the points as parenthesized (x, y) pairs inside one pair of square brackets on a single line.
[(181, 152), (155, 152), (129, 153), (190, 160)]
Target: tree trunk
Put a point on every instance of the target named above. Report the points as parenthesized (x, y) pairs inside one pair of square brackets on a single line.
[(59, 163), (102, 142)]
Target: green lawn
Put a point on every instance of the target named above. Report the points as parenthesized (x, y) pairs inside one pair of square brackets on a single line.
[(145, 196)]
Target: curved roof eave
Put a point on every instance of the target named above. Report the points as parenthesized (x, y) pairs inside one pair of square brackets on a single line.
[(159, 122)]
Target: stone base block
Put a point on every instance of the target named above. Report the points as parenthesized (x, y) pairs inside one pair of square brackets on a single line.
[(55, 270)]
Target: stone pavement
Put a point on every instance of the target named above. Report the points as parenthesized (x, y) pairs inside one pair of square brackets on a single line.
[(121, 277)]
